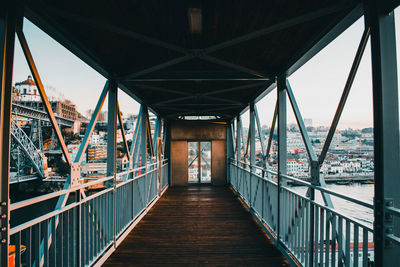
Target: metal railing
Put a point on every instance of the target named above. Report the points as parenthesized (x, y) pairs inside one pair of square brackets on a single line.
[(90, 226), (310, 233)]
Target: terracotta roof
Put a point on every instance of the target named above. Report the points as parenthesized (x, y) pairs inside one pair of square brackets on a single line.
[(28, 81)]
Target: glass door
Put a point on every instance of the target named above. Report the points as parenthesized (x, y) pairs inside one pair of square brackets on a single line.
[(205, 162), (193, 162), (199, 162)]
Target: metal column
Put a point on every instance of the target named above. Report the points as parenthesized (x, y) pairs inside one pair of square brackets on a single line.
[(386, 129), (112, 128), (238, 141), (252, 147), (8, 19), (112, 145), (230, 149), (167, 133), (282, 141)]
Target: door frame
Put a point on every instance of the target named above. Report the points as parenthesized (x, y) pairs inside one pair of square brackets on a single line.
[(199, 168)]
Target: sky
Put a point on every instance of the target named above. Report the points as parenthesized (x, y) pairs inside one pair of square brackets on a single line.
[(317, 85)]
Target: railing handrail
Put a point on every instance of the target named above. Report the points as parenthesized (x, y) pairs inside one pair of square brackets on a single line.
[(355, 221), (109, 215), (34, 200), (308, 184), (46, 216)]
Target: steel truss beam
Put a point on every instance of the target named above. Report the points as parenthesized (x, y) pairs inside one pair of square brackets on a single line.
[(259, 129), (271, 132), (121, 124), (300, 123), (92, 124), (345, 94), (202, 54), (316, 178), (208, 95), (43, 95)]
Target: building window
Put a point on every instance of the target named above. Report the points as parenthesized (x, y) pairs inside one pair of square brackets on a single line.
[(25, 91)]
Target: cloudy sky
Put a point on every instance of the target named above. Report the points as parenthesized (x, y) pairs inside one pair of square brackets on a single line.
[(317, 85)]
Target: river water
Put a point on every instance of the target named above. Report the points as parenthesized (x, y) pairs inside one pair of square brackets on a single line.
[(363, 192)]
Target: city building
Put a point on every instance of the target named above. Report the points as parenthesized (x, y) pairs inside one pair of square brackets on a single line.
[(64, 109), (26, 91), (96, 152)]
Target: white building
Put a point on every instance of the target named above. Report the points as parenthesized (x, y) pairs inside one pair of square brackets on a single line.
[(27, 91), (95, 139)]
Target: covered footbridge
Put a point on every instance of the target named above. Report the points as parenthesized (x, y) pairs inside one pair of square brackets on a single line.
[(193, 191)]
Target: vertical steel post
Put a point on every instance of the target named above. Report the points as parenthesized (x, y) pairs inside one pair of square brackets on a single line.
[(229, 149), (238, 141), (143, 148), (167, 133), (8, 20), (282, 144), (386, 127), (112, 145), (252, 147)]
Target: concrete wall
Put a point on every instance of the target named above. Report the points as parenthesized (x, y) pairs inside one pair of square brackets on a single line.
[(184, 131)]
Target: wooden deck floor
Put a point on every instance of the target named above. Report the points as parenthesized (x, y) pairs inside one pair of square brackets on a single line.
[(199, 225)]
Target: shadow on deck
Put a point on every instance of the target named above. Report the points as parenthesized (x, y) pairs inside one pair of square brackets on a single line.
[(199, 225)]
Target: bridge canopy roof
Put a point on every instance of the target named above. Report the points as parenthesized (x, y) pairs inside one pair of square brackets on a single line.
[(194, 57)]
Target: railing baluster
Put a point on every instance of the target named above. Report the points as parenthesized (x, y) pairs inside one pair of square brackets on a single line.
[(327, 237), (53, 261), (37, 245), (365, 247), (340, 240), (303, 242), (322, 240), (316, 234), (347, 255), (333, 240), (297, 223), (18, 249), (355, 246), (28, 252), (67, 238), (61, 226), (301, 229), (97, 223), (84, 228), (92, 227), (307, 246)]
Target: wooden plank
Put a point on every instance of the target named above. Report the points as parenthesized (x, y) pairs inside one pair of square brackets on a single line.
[(197, 225)]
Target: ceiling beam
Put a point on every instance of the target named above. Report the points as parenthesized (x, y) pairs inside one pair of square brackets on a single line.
[(173, 100), (344, 20), (161, 89), (201, 104), (198, 53), (52, 28), (226, 100), (154, 68), (277, 27), (236, 88), (232, 66), (194, 79)]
